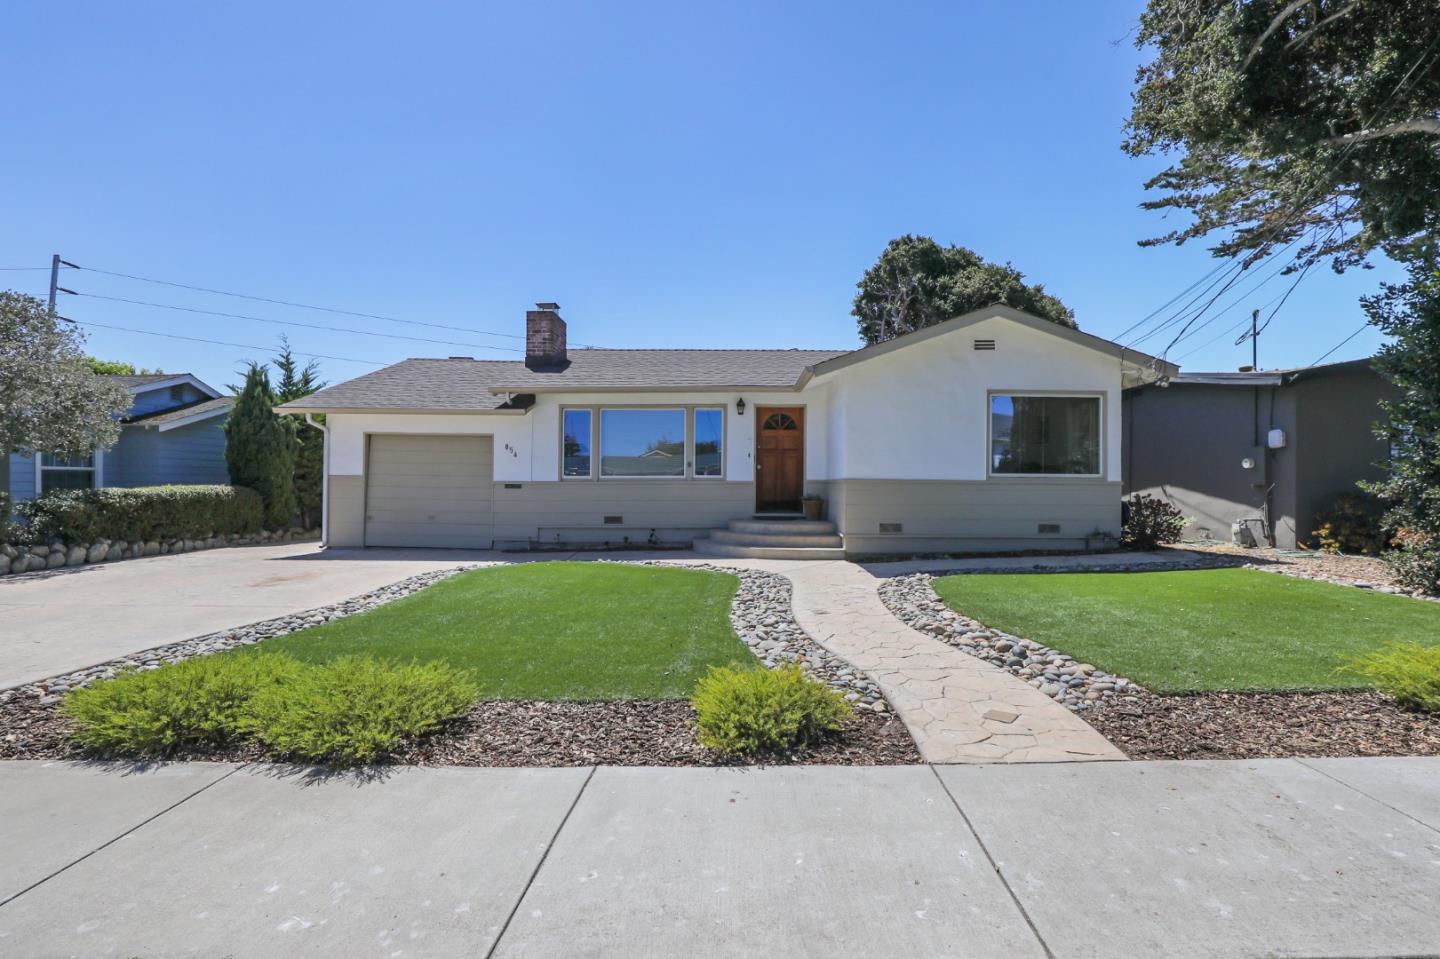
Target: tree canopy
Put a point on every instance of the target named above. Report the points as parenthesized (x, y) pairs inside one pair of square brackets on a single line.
[(918, 283), (1313, 122), (116, 368), (50, 402)]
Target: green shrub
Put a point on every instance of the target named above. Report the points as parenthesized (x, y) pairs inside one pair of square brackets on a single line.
[(1415, 561), (1352, 525), (1409, 672), (742, 711), (142, 513), (1149, 521), (195, 704), (357, 709)]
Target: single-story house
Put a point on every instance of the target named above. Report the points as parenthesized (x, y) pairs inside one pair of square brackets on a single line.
[(1264, 449), (171, 434), (996, 430)]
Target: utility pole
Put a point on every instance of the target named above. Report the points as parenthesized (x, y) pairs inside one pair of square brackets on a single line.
[(54, 280), (55, 287), (1255, 341)]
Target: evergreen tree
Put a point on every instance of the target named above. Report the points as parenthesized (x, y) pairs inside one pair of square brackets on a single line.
[(297, 381), (261, 448), (1410, 312)]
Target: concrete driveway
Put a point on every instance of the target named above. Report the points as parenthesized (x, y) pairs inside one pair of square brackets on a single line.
[(67, 619), (1203, 859)]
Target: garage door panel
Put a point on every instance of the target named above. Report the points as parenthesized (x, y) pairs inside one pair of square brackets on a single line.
[(429, 491)]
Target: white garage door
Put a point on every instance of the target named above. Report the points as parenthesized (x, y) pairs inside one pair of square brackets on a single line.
[(429, 491)]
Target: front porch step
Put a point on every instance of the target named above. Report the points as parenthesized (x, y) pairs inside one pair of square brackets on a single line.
[(783, 526), (797, 539), (707, 547)]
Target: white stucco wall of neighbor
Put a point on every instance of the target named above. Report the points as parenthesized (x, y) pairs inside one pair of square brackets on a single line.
[(922, 411)]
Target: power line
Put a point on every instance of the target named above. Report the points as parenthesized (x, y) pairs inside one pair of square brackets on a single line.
[(296, 323), (302, 306), (197, 339), (18, 269), (1337, 346), (1300, 205)]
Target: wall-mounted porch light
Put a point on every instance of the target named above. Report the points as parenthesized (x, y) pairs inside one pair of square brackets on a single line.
[(740, 406)]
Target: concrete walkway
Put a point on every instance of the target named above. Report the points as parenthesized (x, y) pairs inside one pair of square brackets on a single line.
[(959, 708), (1071, 860)]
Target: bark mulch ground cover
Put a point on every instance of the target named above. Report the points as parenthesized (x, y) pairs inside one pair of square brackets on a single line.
[(1265, 725), (529, 733)]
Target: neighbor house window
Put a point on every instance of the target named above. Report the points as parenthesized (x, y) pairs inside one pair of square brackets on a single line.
[(642, 443), (577, 436), (57, 473), (709, 436), (1044, 435)]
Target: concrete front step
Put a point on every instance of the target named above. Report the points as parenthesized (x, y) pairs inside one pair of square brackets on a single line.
[(707, 547), (782, 526), (796, 539)]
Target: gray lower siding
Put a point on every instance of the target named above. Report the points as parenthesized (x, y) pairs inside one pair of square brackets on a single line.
[(559, 513), (943, 516), (935, 516)]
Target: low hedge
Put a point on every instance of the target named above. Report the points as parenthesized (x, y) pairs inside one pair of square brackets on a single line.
[(142, 513)]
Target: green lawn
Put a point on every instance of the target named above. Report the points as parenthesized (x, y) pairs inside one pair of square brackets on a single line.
[(551, 630), (1234, 629)]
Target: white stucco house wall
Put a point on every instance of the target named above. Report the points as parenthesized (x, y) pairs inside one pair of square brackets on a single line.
[(996, 430)]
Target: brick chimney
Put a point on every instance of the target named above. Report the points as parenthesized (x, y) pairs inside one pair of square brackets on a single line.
[(545, 338)]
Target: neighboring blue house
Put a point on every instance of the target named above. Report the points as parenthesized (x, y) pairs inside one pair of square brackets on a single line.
[(172, 434)]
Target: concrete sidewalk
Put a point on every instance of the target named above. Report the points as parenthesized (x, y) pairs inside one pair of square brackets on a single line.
[(1276, 857)]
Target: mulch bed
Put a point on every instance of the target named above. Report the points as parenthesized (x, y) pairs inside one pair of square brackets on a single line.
[(1266, 725), (529, 733)]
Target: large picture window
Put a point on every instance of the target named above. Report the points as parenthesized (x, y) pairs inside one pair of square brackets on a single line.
[(709, 442), (642, 443), (576, 440), (57, 473), (1044, 435)]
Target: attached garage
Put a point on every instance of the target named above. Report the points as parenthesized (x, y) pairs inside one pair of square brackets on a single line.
[(429, 490)]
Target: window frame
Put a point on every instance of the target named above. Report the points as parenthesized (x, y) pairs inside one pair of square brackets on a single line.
[(594, 442), (96, 469), (694, 433), (597, 410), (1100, 458), (685, 442)]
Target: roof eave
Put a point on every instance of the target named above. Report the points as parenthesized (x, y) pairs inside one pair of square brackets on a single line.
[(679, 388), (402, 410)]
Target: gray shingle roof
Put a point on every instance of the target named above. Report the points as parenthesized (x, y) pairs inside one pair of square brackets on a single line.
[(465, 384), (178, 413)]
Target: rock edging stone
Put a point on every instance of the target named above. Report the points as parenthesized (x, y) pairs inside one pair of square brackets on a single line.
[(1077, 686), (55, 555)]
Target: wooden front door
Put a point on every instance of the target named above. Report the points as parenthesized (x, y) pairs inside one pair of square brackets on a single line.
[(779, 459)]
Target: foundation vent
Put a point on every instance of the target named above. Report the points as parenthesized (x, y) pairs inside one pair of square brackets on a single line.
[(1049, 528), (892, 527), (614, 521), (984, 344)]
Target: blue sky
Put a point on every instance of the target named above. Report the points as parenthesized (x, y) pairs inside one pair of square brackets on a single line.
[(692, 174)]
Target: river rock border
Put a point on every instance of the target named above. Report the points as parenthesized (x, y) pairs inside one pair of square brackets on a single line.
[(1075, 685), (763, 619), (33, 559), (50, 690), (1295, 572)]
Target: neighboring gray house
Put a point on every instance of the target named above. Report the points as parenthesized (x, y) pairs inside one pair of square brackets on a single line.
[(172, 434), (1268, 449)]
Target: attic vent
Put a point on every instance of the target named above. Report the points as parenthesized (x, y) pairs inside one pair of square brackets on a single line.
[(984, 344), (892, 527), (614, 520), (1049, 528)]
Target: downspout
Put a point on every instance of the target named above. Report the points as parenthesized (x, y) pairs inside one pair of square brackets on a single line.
[(324, 481)]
